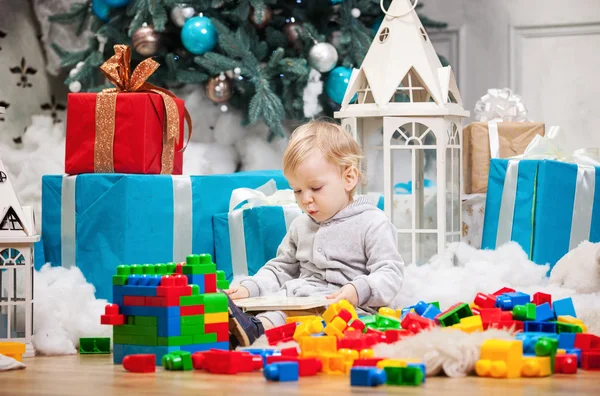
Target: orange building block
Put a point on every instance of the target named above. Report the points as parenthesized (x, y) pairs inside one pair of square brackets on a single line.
[(14, 350)]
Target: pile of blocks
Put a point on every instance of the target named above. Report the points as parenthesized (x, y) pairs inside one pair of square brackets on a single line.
[(162, 308)]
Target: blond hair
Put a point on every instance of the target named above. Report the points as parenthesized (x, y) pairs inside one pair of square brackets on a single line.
[(336, 145)]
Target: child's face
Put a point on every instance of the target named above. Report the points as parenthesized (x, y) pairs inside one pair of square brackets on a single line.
[(320, 187)]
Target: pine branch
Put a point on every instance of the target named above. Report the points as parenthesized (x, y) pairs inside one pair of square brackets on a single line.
[(356, 38), (216, 63)]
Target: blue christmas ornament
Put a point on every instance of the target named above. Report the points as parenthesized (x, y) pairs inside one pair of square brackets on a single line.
[(117, 3), (101, 10), (334, 2), (337, 82), (198, 35)]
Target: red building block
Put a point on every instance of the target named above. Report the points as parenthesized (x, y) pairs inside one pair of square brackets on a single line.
[(179, 268), (485, 300), (111, 316), (143, 363), (415, 323), (587, 342), (357, 324), (565, 364), (164, 301), (590, 360), (192, 310), (174, 285), (359, 341), (494, 315), (226, 362), (281, 334), (540, 298), (134, 300), (515, 325), (307, 366), (289, 351), (503, 290), (345, 315), (221, 329), (392, 336), (210, 283), (370, 362)]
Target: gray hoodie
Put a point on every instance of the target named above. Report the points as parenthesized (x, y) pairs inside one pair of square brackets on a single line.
[(357, 245)]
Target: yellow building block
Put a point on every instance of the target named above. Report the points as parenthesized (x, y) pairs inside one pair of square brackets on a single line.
[(471, 324), (334, 309), (536, 366), (301, 319), (500, 359), (387, 311), (335, 363), (307, 328), (219, 317), (12, 349), (366, 353), (391, 363), (561, 352), (336, 328), (574, 321), (315, 346)]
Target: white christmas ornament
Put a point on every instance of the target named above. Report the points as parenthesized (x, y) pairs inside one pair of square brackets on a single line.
[(181, 13), (355, 13), (73, 72), (75, 86), (323, 57)]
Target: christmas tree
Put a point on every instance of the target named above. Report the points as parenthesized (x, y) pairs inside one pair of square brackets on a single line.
[(256, 55)]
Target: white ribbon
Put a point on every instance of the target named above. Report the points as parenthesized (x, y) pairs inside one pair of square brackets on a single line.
[(68, 232), (182, 217), (494, 139), (552, 146), (265, 195)]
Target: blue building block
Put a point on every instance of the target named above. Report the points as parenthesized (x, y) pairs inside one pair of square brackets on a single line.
[(197, 279), (539, 327), (507, 301), (566, 340), (118, 352), (564, 307), (421, 366), (544, 312), (223, 345), (367, 376), (169, 326), (405, 311), (530, 339), (138, 291), (428, 311), (150, 311), (262, 352), (575, 351), (281, 371), (144, 280), (159, 351)]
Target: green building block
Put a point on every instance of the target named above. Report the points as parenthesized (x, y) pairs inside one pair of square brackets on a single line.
[(200, 269), (546, 346), (568, 328), (160, 269), (119, 280), (435, 304), (223, 284), (171, 268), (195, 290), (192, 330), (455, 315), (135, 330), (192, 320), (137, 269), (221, 275), (205, 338), (145, 320), (386, 323), (124, 270), (411, 376), (186, 301), (215, 302), (94, 346), (369, 321), (192, 259), (524, 312), (130, 320), (149, 269), (135, 339), (178, 361), (175, 341)]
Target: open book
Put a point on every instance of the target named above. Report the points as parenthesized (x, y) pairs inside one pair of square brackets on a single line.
[(282, 303)]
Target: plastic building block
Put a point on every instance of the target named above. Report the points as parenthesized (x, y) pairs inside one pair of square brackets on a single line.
[(300, 319), (94, 346), (309, 367), (564, 307), (220, 329), (587, 342), (576, 352), (547, 346), (544, 312), (308, 327), (535, 366), (282, 372), (590, 360), (191, 310), (524, 312), (470, 324), (367, 376), (151, 311), (562, 327), (454, 314), (334, 309), (415, 323), (565, 364), (508, 301), (411, 376), (391, 363), (386, 323), (483, 300), (530, 339), (357, 324), (210, 283), (537, 326), (335, 363), (111, 316), (315, 346), (336, 327), (281, 333), (217, 317), (178, 361), (263, 353), (512, 325), (14, 350), (392, 336), (542, 298), (366, 354), (504, 290), (226, 362), (500, 359), (367, 362), (420, 366), (168, 326), (215, 302), (428, 311), (141, 363), (574, 321), (566, 340), (193, 348), (387, 311)]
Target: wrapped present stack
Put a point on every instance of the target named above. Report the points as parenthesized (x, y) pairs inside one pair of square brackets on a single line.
[(124, 200), (162, 308)]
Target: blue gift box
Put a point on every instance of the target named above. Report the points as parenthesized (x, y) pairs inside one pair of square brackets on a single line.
[(263, 229), (546, 206), (99, 221)]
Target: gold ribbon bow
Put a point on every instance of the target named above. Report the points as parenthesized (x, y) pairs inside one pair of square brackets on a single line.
[(117, 70)]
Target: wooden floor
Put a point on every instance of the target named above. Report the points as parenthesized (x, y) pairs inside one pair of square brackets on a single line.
[(96, 375)]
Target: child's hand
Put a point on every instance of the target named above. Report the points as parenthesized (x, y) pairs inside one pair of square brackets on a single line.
[(348, 293), (238, 292)]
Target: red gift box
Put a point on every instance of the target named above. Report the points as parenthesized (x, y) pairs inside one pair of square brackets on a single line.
[(138, 136)]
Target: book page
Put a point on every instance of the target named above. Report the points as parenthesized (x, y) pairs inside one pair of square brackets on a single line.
[(283, 303)]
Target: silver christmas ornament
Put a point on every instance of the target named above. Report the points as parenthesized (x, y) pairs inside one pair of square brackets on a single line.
[(323, 57), (181, 13), (146, 41)]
